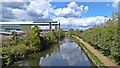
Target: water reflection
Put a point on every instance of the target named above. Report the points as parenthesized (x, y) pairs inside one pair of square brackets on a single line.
[(67, 53)]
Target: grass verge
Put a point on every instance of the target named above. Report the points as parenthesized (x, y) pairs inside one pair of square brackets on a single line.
[(94, 58)]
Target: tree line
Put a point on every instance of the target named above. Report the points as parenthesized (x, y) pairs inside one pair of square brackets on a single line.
[(104, 38), (17, 47)]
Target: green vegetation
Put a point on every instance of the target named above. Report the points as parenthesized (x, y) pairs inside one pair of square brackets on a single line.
[(60, 33), (26, 27), (14, 38), (74, 32), (51, 37), (13, 53), (34, 38), (96, 60), (18, 47), (103, 38)]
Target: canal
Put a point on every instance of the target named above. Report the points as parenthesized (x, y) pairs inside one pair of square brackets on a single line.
[(66, 53)]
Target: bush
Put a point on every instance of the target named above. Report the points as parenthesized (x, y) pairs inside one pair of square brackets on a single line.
[(103, 38), (34, 38), (14, 38), (51, 37), (13, 53)]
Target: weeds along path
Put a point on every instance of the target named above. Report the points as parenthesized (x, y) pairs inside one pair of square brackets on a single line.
[(104, 59)]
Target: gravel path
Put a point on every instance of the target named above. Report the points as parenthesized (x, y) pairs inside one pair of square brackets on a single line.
[(104, 59)]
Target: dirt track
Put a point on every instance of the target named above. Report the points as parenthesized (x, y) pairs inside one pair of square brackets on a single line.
[(104, 59)]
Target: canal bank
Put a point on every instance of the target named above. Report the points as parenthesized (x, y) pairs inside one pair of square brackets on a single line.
[(66, 53), (102, 60)]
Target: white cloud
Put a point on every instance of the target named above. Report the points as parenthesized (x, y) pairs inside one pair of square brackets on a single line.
[(73, 5), (72, 10), (21, 14), (115, 4), (69, 17), (86, 8), (66, 12), (14, 0), (40, 7), (81, 22), (36, 10)]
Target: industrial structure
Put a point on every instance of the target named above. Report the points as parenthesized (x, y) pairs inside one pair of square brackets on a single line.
[(8, 27)]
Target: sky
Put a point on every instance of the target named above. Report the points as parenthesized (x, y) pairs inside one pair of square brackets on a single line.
[(76, 15)]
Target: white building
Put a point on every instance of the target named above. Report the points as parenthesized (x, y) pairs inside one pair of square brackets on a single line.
[(44, 26)]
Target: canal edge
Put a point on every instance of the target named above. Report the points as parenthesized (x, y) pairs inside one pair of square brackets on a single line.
[(89, 57), (106, 62)]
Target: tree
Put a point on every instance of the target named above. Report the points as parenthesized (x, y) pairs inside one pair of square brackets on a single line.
[(106, 38), (62, 33), (50, 36), (34, 37), (81, 31), (71, 31), (59, 33), (114, 19), (14, 38)]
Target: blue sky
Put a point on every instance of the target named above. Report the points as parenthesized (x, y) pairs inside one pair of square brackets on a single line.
[(96, 8), (76, 15)]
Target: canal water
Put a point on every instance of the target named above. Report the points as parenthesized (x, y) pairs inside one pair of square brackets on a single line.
[(66, 53)]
